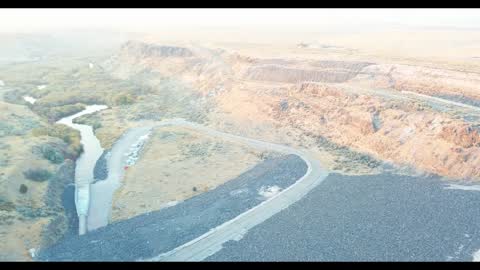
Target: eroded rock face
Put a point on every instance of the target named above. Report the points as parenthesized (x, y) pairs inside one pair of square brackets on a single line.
[(424, 80), (387, 129), (463, 135), (279, 73), (318, 90), (321, 98), (354, 66), (294, 71), (141, 49)]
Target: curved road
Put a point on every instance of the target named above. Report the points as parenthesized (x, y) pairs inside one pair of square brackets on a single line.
[(212, 241), (446, 101), (101, 192)]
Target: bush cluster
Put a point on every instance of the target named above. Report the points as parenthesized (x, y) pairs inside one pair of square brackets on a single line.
[(52, 154), (54, 113), (124, 99), (67, 134), (37, 175), (23, 189)]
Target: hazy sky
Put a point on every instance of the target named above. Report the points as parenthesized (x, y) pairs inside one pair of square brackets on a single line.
[(21, 20)]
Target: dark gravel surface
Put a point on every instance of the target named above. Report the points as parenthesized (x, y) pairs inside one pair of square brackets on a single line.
[(100, 171), (383, 217), (150, 234)]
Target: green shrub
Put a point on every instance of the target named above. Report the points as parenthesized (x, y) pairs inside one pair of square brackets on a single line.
[(23, 189), (96, 125), (89, 119), (52, 154), (13, 96), (37, 175), (6, 206), (124, 99), (67, 134), (56, 112), (66, 110)]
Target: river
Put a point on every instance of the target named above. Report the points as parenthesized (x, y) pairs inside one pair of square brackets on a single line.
[(93, 200), (85, 164)]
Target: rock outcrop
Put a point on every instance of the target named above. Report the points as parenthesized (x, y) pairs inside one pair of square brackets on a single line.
[(326, 98), (463, 135), (277, 73), (142, 49), (424, 80)]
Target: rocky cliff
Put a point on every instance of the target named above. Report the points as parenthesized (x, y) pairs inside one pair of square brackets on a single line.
[(142, 49), (324, 99)]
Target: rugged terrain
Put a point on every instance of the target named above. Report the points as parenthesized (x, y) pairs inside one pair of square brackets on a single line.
[(311, 103), (35, 168), (357, 111)]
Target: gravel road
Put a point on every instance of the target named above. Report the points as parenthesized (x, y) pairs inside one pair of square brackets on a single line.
[(368, 218), (101, 192)]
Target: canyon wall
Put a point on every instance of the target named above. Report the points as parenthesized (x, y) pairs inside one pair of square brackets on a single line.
[(312, 97)]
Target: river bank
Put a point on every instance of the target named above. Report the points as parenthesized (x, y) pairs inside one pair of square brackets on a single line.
[(36, 170), (61, 193)]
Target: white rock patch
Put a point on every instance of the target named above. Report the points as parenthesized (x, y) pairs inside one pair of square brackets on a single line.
[(170, 203), (238, 191), (268, 192), (32, 252), (463, 187), (40, 87), (132, 155), (30, 99), (476, 256)]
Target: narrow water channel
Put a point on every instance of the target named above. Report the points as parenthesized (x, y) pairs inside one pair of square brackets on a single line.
[(85, 164), (94, 200)]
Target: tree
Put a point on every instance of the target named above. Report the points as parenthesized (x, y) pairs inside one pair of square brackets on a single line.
[(23, 189)]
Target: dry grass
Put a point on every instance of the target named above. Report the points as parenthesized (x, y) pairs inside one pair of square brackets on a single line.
[(177, 164)]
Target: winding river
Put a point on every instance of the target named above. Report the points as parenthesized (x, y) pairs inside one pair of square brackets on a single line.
[(92, 150), (94, 200)]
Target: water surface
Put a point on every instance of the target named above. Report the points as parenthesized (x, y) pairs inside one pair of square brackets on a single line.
[(92, 150)]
